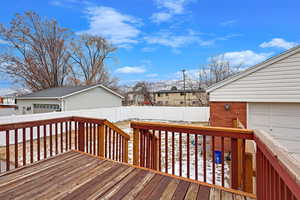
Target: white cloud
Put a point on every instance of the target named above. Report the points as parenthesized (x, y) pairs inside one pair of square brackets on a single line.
[(278, 42), (131, 70), (169, 39), (246, 57), (152, 75), (3, 41), (228, 23), (6, 91), (169, 9), (120, 29)]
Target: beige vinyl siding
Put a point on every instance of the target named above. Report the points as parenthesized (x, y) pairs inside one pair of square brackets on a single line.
[(278, 82), (91, 99)]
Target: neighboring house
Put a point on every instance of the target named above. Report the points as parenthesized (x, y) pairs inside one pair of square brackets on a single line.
[(9, 99), (176, 97), (135, 99), (68, 98), (265, 96)]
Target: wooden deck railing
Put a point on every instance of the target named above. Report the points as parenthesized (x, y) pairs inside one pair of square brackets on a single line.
[(278, 176), (189, 151), (27, 142)]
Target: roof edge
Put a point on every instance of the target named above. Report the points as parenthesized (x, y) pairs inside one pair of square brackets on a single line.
[(255, 68)]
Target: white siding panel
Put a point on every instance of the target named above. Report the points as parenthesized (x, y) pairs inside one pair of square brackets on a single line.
[(279, 82)]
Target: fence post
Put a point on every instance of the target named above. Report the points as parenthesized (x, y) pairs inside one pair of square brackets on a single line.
[(125, 151), (234, 164), (81, 136), (136, 147), (101, 142)]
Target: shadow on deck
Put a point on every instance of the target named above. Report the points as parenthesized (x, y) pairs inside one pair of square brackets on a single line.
[(76, 175)]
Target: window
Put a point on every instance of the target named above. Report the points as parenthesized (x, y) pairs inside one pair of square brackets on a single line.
[(167, 94), (158, 94), (181, 94), (166, 102), (181, 102), (50, 107)]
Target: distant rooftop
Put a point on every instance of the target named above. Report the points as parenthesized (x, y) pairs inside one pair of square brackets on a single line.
[(63, 92), (180, 91)]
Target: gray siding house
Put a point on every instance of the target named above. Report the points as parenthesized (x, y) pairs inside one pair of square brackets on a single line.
[(67, 99)]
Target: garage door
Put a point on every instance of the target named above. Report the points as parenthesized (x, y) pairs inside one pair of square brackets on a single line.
[(279, 119)]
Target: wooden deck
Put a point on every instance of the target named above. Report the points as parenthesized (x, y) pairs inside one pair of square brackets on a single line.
[(75, 175)]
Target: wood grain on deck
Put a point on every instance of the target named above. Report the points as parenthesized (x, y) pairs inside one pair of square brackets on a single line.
[(74, 175)]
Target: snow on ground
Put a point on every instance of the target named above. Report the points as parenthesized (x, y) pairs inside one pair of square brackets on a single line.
[(125, 126)]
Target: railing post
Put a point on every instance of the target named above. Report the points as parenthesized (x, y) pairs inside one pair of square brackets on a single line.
[(249, 173), (155, 153), (125, 151), (136, 147), (234, 164), (101, 142), (81, 136)]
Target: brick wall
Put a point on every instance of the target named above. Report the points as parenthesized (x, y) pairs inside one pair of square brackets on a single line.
[(221, 117), (224, 118)]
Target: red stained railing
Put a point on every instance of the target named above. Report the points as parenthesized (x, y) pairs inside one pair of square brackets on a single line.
[(189, 151), (27, 142), (274, 182)]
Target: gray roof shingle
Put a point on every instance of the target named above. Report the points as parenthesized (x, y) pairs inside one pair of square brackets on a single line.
[(55, 92)]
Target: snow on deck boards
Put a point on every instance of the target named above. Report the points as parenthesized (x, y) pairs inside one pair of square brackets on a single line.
[(75, 175)]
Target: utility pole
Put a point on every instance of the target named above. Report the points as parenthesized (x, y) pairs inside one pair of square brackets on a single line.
[(183, 73)]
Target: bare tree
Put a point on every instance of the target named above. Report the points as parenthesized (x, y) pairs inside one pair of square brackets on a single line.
[(143, 88), (217, 70), (39, 57), (88, 55)]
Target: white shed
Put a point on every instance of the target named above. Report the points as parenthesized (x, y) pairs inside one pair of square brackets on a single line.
[(68, 98), (270, 92)]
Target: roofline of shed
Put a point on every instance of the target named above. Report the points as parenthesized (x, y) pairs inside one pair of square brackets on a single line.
[(255, 68), (71, 94)]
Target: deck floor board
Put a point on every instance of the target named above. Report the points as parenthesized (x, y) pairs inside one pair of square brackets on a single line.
[(75, 175)]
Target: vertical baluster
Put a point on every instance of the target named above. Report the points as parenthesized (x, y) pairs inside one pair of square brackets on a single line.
[(213, 160), (204, 158), (109, 142), (196, 156), (106, 139), (166, 151), (7, 151), (222, 157), (24, 146), (94, 142), (148, 149), (120, 148), (31, 144), (173, 153), (45, 141), (91, 137), (38, 143), (180, 154), (234, 163), (76, 134), (61, 138), (56, 139), (117, 146), (159, 150), (70, 134), (114, 145), (51, 144), (244, 165), (66, 135), (16, 149), (142, 148), (188, 154), (86, 138)]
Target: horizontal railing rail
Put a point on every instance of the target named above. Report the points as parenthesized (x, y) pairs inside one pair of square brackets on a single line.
[(27, 142), (274, 178), (208, 154)]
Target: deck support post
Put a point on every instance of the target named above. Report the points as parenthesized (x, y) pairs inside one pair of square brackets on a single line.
[(101, 142), (81, 136), (136, 147)]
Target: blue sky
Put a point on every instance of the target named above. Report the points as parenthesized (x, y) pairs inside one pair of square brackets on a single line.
[(157, 38)]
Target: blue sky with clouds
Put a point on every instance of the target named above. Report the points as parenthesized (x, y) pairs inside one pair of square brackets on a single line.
[(157, 38)]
